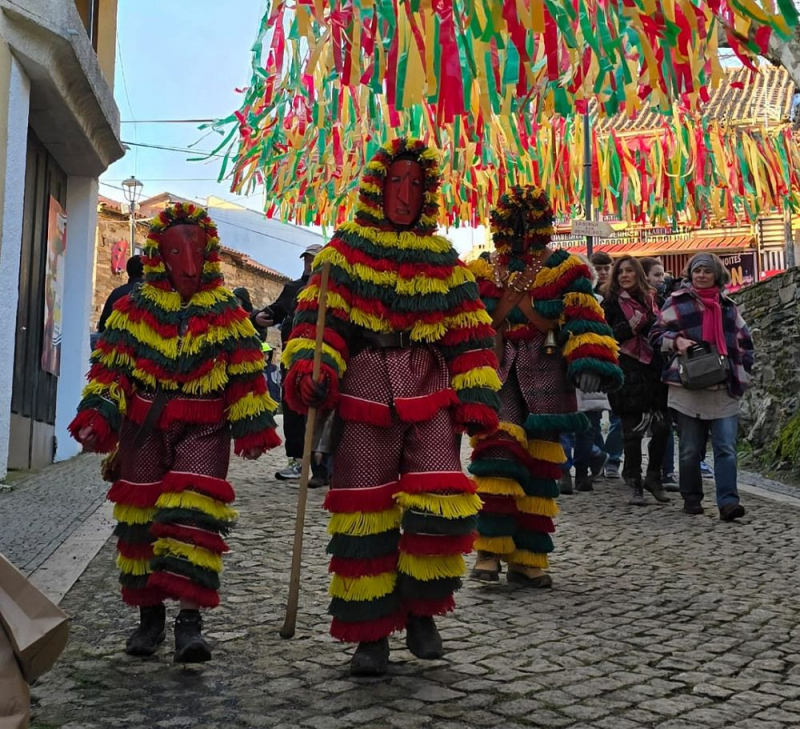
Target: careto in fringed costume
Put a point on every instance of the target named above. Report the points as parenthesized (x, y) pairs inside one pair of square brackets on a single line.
[(397, 466), (172, 501), (517, 467)]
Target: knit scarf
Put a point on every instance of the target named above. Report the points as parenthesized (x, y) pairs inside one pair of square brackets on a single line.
[(713, 332), (637, 314)]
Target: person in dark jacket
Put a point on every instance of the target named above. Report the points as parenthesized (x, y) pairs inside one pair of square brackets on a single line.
[(135, 270), (243, 297), (281, 313), (631, 310)]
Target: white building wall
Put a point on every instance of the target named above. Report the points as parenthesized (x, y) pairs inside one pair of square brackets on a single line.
[(11, 231), (76, 310)]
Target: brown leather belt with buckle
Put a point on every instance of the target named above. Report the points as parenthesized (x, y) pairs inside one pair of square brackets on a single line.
[(365, 339)]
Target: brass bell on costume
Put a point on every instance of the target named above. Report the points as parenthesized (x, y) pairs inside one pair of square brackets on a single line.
[(550, 345)]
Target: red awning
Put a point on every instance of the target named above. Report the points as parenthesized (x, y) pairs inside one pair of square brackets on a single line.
[(720, 242)]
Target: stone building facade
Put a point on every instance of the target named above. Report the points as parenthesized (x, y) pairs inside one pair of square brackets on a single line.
[(113, 228), (770, 413)]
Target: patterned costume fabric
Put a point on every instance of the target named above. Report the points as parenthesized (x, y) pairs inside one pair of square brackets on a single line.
[(204, 357), (396, 466), (517, 466)]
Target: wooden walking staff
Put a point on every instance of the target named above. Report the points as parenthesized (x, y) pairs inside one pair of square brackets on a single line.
[(287, 631)]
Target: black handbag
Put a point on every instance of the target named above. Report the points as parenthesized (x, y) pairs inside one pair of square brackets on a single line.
[(702, 366)]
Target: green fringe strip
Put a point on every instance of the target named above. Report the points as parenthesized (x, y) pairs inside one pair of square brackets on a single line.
[(133, 533), (106, 408), (533, 542), (399, 255), (502, 467), (411, 588), (496, 525), (556, 423), (415, 522), (245, 426), (611, 373), (583, 326), (192, 517), (541, 487), (550, 308), (198, 575), (360, 611), (481, 396), (367, 547), (134, 582)]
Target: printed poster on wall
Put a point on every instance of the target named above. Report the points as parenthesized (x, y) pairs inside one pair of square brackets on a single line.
[(54, 287), (742, 267)]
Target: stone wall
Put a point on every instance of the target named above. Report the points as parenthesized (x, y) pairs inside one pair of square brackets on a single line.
[(263, 284), (770, 415)]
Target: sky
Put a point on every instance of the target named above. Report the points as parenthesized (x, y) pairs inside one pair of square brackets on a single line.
[(193, 75)]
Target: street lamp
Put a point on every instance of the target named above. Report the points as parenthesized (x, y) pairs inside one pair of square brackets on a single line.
[(132, 189)]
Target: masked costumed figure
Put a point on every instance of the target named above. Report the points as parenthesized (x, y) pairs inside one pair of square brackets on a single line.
[(407, 364), (552, 337), (177, 373)]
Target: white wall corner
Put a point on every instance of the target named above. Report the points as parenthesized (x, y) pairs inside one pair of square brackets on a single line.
[(11, 244), (77, 303)]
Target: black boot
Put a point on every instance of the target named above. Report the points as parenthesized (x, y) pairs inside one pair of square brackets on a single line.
[(637, 492), (145, 639), (422, 638), (190, 645), (370, 659), (652, 482)]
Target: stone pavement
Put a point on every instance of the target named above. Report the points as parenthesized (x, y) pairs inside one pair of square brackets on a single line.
[(656, 619)]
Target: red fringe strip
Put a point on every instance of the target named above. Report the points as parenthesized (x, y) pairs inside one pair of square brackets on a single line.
[(264, 439), (179, 588), (523, 333), (557, 288), (135, 551), (292, 395), (357, 410), (459, 336), (493, 504), (472, 359), (362, 567), (571, 313), (309, 331), (429, 608), (535, 523), (480, 418), (141, 598), (436, 482), (543, 469), (195, 411), (507, 444), (367, 631), (241, 355), (240, 388), (378, 498), (420, 409), (106, 438), (140, 495), (427, 544), (217, 488), (191, 535), (592, 350)]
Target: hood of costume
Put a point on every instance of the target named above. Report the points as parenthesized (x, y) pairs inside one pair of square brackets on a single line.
[(522, 228), (202, 348), (387, 278)]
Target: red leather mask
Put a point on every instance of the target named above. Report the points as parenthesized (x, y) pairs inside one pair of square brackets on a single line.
[(403, 192), (183, 248)]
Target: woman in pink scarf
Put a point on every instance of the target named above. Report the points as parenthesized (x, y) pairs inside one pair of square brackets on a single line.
[(701, 312), (631, 310)]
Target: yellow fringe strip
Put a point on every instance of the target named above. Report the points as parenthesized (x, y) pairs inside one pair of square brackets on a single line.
[(514, 431), (467, 319), (428, 331), (529, 559), (133, 514), (357, 270), (150, 379), (369, 321), (200, 502), (133, 566), (359, 589), (335, 301), (245, 368), (578, 340), (495, 545), (111, 392), (538, 505), (301, 344), (212, 381), (251, 406), (142, 332), (421, 284), (550, 275), (586, 301), (207, 299), (455, 506), (498, 486), (237, 330), (547, 450), (431, 567), (477, 377), (481, 269), (406, 239), (364, 523), (196, 555), (166, 300)]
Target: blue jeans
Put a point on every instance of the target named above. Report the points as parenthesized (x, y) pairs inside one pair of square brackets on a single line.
[(579, 449), (613, 442), (693, 434), (567, 442), (668, 466)]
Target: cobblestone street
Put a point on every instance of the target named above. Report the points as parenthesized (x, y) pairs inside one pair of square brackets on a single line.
[(656, 619)]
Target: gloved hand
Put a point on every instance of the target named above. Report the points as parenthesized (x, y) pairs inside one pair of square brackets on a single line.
[(589, 382), (312, 393)]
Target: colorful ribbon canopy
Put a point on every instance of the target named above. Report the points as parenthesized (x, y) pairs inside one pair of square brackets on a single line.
[(494, 85)]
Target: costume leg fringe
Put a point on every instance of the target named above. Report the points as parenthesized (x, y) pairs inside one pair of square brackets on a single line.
[(180, 588), (145, 597), (367, 631), (432, 482), (358, 410), (359, 589), (495, 545), (430, 608), (446, 506), (529, 559), (426, 568)]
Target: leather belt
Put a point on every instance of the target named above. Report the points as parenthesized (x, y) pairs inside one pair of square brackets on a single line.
[(365, 339)]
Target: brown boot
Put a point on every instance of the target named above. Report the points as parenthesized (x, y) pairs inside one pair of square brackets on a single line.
[(487, 567), (529, 576)]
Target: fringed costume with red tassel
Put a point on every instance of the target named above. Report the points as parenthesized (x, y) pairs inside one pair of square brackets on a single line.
[(408, 364), (202, 360), (554, 333)]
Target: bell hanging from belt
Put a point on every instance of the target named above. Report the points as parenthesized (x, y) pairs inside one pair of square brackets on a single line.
[(550, 345)]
